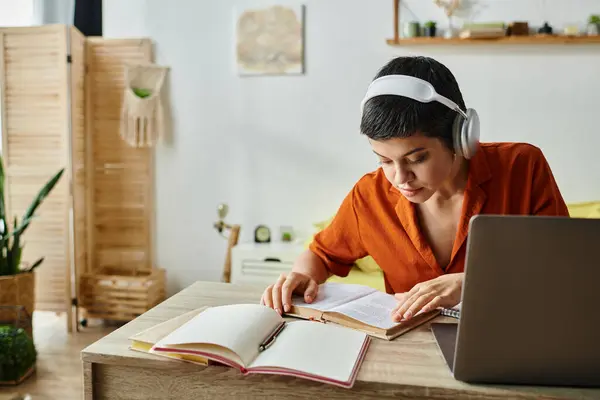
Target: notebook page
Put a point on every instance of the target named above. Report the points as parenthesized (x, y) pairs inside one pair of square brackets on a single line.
[(374, 309), (239, 327), (332, 294), (324, 350)]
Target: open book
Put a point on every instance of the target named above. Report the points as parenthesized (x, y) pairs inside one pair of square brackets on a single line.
[(358, 307), (256, 339), (145, 340)]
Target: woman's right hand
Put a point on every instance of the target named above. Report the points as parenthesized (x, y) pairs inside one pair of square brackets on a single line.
[(279, 295)]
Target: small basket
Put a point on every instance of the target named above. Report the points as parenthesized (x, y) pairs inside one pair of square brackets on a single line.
[(17, 292), (115, 296)]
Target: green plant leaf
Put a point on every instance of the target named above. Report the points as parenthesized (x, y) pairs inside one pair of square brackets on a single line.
[(3, 227), (14, 269), (16, 259), (34, 265), (142, 92), (42, 194), (3, 261), (10, 257), (17, 232)]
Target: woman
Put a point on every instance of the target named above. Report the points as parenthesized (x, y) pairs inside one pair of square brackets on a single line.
[(412, 214)]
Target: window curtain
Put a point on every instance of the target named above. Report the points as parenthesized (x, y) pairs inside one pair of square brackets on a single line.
[(88, 17), (85, 15), (53, 12)]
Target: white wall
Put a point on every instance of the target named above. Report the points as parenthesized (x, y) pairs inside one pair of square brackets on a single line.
[(285, 150), (16, 13)]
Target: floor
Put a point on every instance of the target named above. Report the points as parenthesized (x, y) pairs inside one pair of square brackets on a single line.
[(58, 371)]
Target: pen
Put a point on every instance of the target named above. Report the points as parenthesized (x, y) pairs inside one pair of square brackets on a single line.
[(271, 338)]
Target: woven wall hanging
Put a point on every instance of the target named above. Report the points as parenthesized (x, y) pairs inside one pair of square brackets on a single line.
[(142, 112)]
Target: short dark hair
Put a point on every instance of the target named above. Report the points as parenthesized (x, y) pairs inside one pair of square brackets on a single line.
[(388, 116)]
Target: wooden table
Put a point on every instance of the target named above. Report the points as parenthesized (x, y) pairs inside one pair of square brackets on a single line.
[(409, 367)]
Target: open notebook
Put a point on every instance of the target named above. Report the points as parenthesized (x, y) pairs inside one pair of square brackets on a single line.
[(358, 307), (143, 341), (256, 339)]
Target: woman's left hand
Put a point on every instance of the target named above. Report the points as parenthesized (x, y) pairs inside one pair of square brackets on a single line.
[(443, 291)]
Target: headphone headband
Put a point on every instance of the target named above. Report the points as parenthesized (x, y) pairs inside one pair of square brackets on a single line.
[(465, 130), (407, 86)]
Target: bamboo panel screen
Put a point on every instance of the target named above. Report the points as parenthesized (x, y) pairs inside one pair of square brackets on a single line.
[(35, 138), (78, 154), (78, 148), (120, 178)]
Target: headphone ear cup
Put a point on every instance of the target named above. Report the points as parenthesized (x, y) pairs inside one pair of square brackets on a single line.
[(470, 134), (457, 140)]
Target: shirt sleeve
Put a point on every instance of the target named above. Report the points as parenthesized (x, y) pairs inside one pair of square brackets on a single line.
[(339, 245), (546, 197)]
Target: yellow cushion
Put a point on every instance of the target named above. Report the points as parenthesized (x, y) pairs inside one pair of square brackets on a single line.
[(366, 264), (585, 210), (357, 276)]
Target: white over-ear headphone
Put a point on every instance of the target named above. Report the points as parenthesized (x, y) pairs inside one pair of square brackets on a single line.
[(465, 131)]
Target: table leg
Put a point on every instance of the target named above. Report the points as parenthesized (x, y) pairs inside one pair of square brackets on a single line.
[(88, 381)]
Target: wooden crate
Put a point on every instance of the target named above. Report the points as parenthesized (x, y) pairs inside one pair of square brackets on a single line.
[(113, 295)]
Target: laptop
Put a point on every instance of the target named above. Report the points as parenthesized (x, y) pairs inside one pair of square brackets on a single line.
[(530, 311)]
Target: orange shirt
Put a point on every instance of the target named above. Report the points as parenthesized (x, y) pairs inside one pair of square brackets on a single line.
[(375, 219)]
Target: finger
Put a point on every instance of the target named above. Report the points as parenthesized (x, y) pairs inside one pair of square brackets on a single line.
[(401, 310), (415, 289), (287, 289), (418, 304), (311, 291), (267, 296), (433, 304), (406, 296), (401, 297), (276, 294)]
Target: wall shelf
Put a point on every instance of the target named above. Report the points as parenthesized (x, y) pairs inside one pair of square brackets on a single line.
[(504, 40)]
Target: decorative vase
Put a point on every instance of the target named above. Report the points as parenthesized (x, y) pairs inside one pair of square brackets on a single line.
[(430, 31), (593, 29), (412, 29), (17, 290), (546, 29)]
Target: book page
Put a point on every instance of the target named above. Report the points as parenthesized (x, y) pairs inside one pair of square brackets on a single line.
[(324, 350), (154, 334), (374, 309), (240, 328), (332, 294)]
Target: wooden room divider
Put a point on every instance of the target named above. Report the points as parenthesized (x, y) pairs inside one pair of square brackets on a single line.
[(60, 102)]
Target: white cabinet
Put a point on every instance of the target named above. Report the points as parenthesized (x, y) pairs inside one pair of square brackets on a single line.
[(262, 263)]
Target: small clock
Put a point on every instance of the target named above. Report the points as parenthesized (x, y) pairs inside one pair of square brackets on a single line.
[(262, 234)]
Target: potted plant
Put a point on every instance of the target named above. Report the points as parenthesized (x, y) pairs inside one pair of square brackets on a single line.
[(593, 28), (17, 283), (17, 355), (430, 28)]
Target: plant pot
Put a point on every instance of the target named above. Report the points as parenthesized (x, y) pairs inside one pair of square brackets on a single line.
[(17, 290), (430, 31), (19, 356)]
